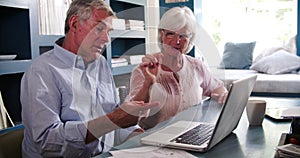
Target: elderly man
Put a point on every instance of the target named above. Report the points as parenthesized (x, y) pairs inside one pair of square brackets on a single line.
[(69, 102)]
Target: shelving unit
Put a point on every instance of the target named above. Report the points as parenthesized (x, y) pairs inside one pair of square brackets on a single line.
[(15, 39), (19, 34), (128, 42), (14, 35)]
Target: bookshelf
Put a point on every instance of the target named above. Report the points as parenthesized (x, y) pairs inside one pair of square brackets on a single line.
[(15, 39), (128, 42), (14, 36), (20, 35)]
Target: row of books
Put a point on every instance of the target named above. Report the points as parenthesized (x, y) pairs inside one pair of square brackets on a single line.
[(126, 60), (116, 62), (124, 24), (52, 16)]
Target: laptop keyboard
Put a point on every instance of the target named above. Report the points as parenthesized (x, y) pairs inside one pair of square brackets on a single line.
[(197, 135)]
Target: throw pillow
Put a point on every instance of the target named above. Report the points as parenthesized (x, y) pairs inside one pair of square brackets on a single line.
[(277, 63), (267, 52), (237, 55)]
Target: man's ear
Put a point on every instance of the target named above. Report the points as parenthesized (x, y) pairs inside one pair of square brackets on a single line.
[(73, 22)]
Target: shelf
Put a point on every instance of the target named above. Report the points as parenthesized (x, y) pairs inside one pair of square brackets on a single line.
[(46, 40), (137, 2), (15, 4), (15, 36), (128, 34), (123, 69), (128, 42), (13, 66)]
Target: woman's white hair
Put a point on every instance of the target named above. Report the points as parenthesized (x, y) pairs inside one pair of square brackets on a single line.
[(176, 18)]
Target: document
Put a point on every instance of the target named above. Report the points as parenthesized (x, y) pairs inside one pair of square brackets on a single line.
[(151, 152), (289, 150)]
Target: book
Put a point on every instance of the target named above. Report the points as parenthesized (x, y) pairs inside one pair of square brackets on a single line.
[(118, 60), (135, 25), (119, 64)]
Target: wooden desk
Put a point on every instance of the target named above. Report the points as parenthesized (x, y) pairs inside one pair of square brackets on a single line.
[(245, 141)]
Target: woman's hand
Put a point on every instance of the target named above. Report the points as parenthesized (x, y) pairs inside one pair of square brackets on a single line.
[(150, 66), (220, 94)]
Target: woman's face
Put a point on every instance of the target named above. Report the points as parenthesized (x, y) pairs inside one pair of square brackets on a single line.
[(175, 42)]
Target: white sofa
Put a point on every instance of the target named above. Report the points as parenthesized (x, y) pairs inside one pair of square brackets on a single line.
[(282, 84), (277, 68)]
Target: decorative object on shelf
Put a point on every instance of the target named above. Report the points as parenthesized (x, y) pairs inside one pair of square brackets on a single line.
[(134, 59), (116, 62), (4, 115), (135, 25), (7, 57), (119, 24)]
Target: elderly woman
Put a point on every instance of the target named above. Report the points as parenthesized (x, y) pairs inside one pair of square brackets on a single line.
[(176, 80)]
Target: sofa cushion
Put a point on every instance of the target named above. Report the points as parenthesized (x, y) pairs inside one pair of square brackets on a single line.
[(277, 63), (237, 55)]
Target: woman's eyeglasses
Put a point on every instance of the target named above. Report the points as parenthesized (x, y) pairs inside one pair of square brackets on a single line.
[(173, 35)]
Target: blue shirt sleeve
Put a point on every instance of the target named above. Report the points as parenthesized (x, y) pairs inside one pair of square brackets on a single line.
[(46, 132)]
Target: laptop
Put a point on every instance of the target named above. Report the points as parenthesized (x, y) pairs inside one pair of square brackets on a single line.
[(184, 134)]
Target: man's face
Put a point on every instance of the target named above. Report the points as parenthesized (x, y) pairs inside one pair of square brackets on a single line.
[(93, 35)]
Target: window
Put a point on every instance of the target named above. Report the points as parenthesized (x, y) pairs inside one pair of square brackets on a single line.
[(268, 22)]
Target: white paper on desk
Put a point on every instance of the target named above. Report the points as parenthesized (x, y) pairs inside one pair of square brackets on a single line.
[(151, 152)]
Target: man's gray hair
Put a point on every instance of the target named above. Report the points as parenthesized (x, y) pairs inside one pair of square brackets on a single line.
[(83, 9)]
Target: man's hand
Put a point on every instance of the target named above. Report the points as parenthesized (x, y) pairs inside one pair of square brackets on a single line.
[(128, 113)]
